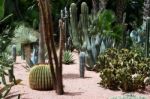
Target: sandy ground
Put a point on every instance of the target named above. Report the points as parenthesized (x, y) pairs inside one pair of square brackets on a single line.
[(74, 86)]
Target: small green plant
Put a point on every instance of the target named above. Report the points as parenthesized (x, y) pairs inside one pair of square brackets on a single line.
[(67, 57)]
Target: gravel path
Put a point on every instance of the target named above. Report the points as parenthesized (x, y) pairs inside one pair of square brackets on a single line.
[(74, 86)]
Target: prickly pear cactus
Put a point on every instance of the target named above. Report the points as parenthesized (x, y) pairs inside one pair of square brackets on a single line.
[(82, 64), (40, 78)]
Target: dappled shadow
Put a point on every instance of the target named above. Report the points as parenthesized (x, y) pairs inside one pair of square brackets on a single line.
[(73, 93), (73, 76)]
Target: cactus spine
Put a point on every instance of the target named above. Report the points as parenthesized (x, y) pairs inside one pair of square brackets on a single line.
[(82, 64), (147, 36), (40, 78)]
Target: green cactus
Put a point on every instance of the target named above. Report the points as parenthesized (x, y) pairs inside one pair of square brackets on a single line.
[(74, 25), (147, 37), (14, 53), (84, 18), (90, 45), (40, 78), (82, 64)]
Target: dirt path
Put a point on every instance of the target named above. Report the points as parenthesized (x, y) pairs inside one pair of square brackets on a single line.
[(74, 86)]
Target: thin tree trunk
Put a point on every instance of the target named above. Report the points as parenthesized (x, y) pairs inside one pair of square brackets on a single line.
[(41, 52), (50, 31), (17, 9), (45, 27), (120, 7), (59, 87)]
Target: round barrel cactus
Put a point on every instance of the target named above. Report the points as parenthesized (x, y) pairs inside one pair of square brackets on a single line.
[(40, 78)]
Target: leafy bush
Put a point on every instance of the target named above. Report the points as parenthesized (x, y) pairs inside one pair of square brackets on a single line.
[(123, 69), (67, 57)]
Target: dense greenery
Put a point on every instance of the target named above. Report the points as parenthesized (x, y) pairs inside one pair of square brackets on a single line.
[(123, 69)]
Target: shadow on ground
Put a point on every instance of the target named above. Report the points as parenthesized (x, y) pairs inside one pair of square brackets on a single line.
[(72, 76), (73, 93)]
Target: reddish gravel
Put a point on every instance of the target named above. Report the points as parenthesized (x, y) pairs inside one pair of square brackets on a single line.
[(74, 86)]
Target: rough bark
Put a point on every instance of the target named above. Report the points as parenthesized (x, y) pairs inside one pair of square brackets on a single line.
[(41, 52), (59, 86), (120, 7), (42, 5)]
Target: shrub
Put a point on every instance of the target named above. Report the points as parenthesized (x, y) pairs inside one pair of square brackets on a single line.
[(123, 69), (130, 96)]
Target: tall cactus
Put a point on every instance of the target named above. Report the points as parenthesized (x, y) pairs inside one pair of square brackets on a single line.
[(84, 18), (147, 37), (14, 53), (82, 64), (74, 25), (90, 45)]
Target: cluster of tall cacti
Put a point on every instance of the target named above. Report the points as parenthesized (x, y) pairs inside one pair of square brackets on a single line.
[(80, 35)]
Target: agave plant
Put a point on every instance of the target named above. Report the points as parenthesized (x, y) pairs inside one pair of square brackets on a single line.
[(67, 57)]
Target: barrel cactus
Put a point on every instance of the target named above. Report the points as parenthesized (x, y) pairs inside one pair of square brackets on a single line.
[(40, 78)]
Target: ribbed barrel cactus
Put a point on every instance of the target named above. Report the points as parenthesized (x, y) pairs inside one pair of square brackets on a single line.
[(40, 78)]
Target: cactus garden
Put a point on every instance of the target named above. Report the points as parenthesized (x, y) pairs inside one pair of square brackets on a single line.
[(75, 49)]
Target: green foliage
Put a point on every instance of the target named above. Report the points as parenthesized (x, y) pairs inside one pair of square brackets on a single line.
[(123, 69), (2, 5), (5, 38), (40, 78), (25, 35), (130, 96), (106, 26), (67, 57)]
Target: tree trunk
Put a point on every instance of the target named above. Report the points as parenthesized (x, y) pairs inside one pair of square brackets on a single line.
[(41, 52), (47, 26), (120, 7), (44, 21), (59, 87)]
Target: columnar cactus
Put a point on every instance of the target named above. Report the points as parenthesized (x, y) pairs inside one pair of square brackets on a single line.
[(14, 53), (82, 64), (74, 25), (40, 78), (147, 37)]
